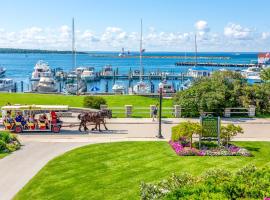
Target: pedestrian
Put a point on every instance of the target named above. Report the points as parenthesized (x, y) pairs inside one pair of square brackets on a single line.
[(154, 112)]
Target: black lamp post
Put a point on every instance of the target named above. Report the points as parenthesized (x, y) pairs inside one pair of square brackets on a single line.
[(160, 136)]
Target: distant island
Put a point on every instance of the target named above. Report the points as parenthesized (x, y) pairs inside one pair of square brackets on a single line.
[(11, 50)]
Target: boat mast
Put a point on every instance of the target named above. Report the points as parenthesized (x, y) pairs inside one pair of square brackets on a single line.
[(141, 71), (196, 49), (73, 46)]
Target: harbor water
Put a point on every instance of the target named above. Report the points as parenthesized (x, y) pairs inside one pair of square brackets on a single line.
[(20, 65)]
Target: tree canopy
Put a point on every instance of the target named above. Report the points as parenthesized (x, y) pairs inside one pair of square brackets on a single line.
[(221, 90)]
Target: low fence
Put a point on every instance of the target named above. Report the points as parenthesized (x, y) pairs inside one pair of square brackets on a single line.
[(175, 111)]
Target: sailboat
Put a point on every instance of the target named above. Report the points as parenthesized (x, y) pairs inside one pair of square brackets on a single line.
[(141, 87), (197, 71), (74, 84)]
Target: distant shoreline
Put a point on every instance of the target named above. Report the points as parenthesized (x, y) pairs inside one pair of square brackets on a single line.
[(11, 50)]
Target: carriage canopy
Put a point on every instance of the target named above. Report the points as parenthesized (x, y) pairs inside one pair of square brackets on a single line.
[(36, 107)]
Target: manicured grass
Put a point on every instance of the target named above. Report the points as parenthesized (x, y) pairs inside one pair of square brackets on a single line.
[(2, 155), (77, 101), (115, 170)]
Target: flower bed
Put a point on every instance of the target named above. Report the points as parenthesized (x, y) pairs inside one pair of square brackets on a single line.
[(184, 150)]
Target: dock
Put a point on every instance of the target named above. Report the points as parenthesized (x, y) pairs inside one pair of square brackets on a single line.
[(173, 76), (210, 64)]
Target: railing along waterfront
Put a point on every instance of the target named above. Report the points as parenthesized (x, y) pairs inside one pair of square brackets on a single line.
[(175, 111)]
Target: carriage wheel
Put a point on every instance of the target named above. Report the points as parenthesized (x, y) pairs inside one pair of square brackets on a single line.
[(18, 129), (56, 129)]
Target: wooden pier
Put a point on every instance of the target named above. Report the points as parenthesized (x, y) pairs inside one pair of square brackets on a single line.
[(210, 64), (180, 76)]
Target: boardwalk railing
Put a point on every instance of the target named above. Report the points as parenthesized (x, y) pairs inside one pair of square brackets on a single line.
[(175, 111)]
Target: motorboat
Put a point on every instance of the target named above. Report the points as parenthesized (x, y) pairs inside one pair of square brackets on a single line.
[(107, 71), (167, 88), (74, 84), (251, 70), (88, 74), (41, 69), (76, 88), (141, 88), (119, 87), (2, 71), (6, 85), (60, 74), (252, 74), (46, 85), (198, 72)]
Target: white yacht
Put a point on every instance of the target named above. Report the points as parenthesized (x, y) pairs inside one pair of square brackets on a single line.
[(6, 85), (198, 72), (119, 87), (76, 87), (252, 74), (46, 85), (141, 87), (41, 69), (167, 88), (107, 70), (88, 74)]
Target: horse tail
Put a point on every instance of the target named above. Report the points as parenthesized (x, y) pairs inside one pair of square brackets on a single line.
[(79, 116)]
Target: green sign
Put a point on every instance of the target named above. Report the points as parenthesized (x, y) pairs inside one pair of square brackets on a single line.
[(210, 126)]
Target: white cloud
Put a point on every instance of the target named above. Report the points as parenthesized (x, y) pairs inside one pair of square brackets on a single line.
[(202, 26), (236, 31), (234, 38)]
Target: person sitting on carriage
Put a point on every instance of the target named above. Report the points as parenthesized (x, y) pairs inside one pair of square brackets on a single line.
[(8, 121), (54, 117), (43, 119), (31, 120), (19, 118)]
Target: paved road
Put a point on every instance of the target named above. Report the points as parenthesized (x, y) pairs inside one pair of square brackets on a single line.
[(18, 168)]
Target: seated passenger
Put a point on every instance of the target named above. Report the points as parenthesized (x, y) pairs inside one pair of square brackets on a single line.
[(19, 118)]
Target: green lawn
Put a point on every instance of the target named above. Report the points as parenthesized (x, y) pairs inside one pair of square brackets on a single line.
[(2, 155), (115, 170), (77, 101)]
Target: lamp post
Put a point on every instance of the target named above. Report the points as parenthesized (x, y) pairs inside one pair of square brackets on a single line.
[(160, 136)]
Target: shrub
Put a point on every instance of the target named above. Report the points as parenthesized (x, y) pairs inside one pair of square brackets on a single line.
[(8, 142), (229, 131), (6, 137), (247, 183), (3, 146), (93, 102), (186, 129)]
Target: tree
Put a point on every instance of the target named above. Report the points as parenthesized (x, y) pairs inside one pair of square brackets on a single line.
[(186, 129), (211, 94), (257, 95), (229, 131), (265, 74)]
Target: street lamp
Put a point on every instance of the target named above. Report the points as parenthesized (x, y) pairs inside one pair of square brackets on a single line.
[(160, 87)]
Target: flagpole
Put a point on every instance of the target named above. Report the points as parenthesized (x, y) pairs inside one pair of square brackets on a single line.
[(141, 72)]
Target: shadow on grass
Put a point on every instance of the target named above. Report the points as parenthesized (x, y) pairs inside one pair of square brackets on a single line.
[(249, 148)]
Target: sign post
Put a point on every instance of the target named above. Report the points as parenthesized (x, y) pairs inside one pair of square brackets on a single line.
[(211, 128)]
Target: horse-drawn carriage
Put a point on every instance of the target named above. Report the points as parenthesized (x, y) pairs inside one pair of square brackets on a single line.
[(44, 118), (22, 118)]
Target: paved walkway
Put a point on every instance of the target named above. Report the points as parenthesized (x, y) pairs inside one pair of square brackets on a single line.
[(19, 167)]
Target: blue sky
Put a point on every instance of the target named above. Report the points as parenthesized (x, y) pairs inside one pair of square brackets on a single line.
[(231, 25)]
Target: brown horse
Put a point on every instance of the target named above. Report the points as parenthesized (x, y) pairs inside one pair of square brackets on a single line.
[(96, 117)]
